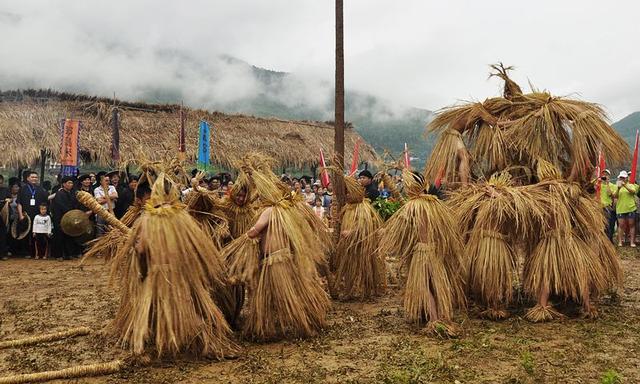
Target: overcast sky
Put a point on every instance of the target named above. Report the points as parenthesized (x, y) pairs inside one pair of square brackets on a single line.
[(420, 53)]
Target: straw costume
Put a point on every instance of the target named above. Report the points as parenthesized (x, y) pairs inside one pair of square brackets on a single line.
[(494, 218), (205, 207), (360, 270), (422, 233), (543, 215), (277, 260), (170, 270), (240, 206), (572, 259)]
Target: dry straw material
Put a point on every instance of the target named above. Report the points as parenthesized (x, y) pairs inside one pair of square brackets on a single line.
[(171, 269), (422, 234), (281, 270), (360, 267), (67, 373), (73, 332), (33, 121)]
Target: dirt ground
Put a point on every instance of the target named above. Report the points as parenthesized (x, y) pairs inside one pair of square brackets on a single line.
[(365, 342)]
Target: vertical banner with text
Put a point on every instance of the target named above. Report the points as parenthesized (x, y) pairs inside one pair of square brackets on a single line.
[(204, 145), (70, 146)]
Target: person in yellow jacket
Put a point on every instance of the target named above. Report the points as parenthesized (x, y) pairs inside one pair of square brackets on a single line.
[(608, 204), (626, 208)]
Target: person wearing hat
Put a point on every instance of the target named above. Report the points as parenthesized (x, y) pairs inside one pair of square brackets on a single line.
[(64, 246), (366, 180), (626, 208), (608, 203), (29, 199)]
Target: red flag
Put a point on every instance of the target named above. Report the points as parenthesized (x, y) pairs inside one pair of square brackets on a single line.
[(407, 159), (354, 161), (324, 175), (634, 165)]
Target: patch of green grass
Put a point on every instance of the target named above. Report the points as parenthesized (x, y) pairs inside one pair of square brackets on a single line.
[(408, 363), (527, 363), (611, 377)]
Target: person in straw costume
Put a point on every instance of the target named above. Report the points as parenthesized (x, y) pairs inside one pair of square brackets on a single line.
[(422, 234), (572, 258), (205, 206), (494, 217), (277, 259), (171, 268), (360, 271), (240, 206), (515, 133)]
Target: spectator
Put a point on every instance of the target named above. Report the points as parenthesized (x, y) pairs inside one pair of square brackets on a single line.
[(106, 195), (309, 196), (64, 246), (607, 203), (92, 176), (297, 188), (85, 186), (625, 208), (327, 197), (370, 189), (31, 196), (41, 233), (318, 209), (126, 196)]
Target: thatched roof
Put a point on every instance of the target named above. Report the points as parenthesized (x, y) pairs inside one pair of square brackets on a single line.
[(29, 121)]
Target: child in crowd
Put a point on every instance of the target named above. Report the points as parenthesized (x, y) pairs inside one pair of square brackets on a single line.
[(42, 229)]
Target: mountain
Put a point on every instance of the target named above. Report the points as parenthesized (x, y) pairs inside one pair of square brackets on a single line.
[(383, 124), (627, 127)]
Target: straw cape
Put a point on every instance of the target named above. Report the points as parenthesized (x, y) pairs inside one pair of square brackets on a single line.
[(537, 152), (278, 260), (360, 270), (572, 258), (517, 130), (33, 118), (168, 258), (422, 234)]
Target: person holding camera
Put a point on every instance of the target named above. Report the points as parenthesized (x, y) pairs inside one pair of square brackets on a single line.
[(626, 208), (608, 204)]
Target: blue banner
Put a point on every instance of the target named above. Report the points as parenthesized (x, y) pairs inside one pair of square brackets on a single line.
[(204, 145)]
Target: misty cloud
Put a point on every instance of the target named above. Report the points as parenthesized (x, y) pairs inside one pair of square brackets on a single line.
[(412, 52)]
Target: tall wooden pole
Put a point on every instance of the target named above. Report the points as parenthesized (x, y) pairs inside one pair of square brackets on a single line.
[(182, 148), (339, 118), (115, 133)]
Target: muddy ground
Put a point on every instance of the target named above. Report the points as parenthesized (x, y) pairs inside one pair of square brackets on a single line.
[(365, 343)]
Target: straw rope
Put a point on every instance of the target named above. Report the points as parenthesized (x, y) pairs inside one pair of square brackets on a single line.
[(90, 202), (67, 373), (73, 332)]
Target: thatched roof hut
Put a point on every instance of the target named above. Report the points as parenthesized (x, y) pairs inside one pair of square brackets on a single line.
[(30, 122)]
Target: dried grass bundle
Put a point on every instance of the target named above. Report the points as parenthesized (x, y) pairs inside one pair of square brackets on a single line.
[(67, 373), (73, 332), (360, 267), (108, 244), (205, 207), (422, 234), (172, 268), (286, 296)]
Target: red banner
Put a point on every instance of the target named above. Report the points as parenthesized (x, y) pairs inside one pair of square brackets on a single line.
[(407, 159), (354, 161), (634, 165), (324, 175), (69, 152)]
